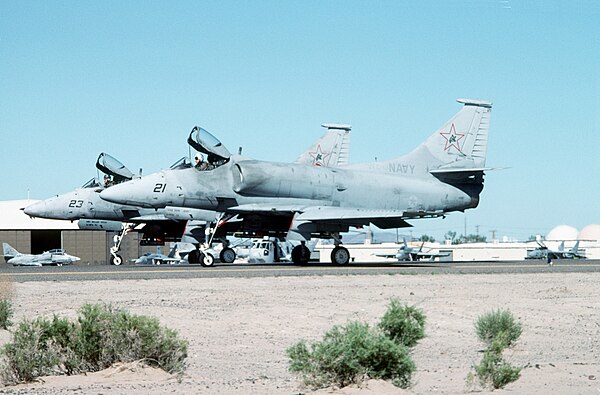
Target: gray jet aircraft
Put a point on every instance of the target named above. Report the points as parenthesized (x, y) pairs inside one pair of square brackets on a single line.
[(408, 253), (53, 257), (543, 252), (443, 174), (84, 204), (170, 223), (158, 258)]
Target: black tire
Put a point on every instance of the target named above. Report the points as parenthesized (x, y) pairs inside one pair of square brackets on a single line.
[(227, 255), (340, 255), (207, 260), (195, 257), (300, 255), (116, 260)]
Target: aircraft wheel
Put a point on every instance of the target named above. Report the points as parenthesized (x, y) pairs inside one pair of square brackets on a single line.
[(156, 261), (116, 260), (227, 255), (195, 256), (300, 255), (208, 260), (340, 255)]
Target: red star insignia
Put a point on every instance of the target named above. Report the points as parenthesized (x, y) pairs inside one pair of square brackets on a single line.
[(452, 139)]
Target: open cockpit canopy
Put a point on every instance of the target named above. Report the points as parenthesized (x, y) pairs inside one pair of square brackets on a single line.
[(202, 141), (112, 167)]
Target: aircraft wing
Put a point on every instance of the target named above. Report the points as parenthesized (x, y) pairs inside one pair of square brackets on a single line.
[(383, 219), (430, 254), (168, 259), (386, 255)]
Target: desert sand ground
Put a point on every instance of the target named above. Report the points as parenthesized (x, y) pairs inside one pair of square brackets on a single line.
[(239, 328)]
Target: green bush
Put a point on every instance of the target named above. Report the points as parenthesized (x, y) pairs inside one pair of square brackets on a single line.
[(498, 324), (403, 324), (499, 330), (100, 337), (30, 355), (494, 371), (355, 352), (349, 354), (6, 313)]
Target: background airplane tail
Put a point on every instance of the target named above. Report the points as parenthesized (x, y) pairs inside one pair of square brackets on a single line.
[(9, 252), (333, 149)]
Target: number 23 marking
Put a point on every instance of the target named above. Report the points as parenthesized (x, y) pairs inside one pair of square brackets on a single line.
[(76, 203)]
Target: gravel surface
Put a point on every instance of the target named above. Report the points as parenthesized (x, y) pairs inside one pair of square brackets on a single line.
[(239, 328)]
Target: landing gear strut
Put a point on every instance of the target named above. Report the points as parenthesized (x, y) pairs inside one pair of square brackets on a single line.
[(116, 259)]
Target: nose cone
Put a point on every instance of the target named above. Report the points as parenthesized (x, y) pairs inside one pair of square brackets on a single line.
[(38, 209), (146, 192), (125, 193)]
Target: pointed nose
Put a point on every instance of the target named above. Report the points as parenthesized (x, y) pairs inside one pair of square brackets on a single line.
[(38, 209), (131, 193), (120, 194)]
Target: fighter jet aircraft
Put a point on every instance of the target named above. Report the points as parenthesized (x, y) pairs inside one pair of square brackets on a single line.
[(53, 257), (158, 258), (170, 223), (408, 253), (543, 252), (84, 204), (443, 174)]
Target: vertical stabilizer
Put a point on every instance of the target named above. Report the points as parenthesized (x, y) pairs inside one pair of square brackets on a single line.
[(9, 252), (462, 141), (575, 248), (331, 150), (173, 251)]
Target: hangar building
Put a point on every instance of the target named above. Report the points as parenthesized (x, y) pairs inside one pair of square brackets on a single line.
[(36, 235)]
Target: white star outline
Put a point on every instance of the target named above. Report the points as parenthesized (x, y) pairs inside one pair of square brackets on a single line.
[(319, 156), (452, 139)]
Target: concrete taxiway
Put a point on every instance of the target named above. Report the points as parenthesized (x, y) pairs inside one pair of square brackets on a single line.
[(147, 272)]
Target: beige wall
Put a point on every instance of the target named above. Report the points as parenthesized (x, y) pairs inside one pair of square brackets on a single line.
[(92, 246), (89, 245), (18, 239)]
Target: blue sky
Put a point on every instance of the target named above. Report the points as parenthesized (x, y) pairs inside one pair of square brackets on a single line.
[(132, 78)]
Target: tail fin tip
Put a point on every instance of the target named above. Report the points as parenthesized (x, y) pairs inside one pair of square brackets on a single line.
[(475, 102)]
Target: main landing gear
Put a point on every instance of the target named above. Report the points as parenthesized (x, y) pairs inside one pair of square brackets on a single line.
[(300, 254), (339, 255), (204, 254)]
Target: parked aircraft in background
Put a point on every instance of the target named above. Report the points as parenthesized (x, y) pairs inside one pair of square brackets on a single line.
[(52, 257), (543, 252), (158, 258), (408, 253), (169, 223), (443, 174)]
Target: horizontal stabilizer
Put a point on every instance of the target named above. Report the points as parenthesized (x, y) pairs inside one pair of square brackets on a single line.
[(474, 102)]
